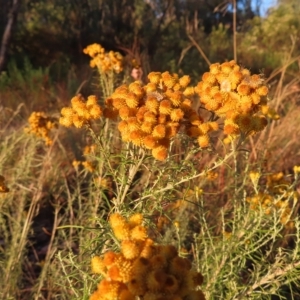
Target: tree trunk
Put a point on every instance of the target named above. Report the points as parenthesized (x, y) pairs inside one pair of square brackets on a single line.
[(12, 16)]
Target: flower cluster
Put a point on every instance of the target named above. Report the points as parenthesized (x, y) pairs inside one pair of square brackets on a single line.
[(142, 268), (105, 61), (3, 187), (152, 114), (232, 93), (275, 198), (40, 125), (81, 112)]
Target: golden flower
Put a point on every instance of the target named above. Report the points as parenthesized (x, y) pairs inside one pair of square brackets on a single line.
[(235, 77), (147, 127), (139, 233), (136, 88), (123, 126), (203, 141), (135, 219), (130, 249), (98, 265), (165, 107), (262, 91), (184, 81), (215, 68), (162, 119), (176, 115), (116, 219), (95, 112), (114, 273), (254, 81), (133, 124), (244, 89), (91, 101), (109, 258), (150, 142), (140, 113), (160, 153), (118, 103), (255, 98), (152, 103), (209, 78), (204, 128), (226, 67), (189, 91), (168, 79), (67, 112), (230, 127), (186, 105), (150, 87), (176, 87), (212, 105), (125, 112), (67, 122), (159, 131), (154, 77), (150, 117), (77, 102), (132, 100), (137, 137), (78, 121)]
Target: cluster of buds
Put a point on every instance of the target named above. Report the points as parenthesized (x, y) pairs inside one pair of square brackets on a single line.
[(40, 125), (87, 164), (3, 187), (104, 61), (275, 199), (232, 93), (152, 114), (81, 112), (143, 269)]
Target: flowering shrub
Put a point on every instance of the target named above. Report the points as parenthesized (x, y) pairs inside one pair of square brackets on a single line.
[(210, 216)]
